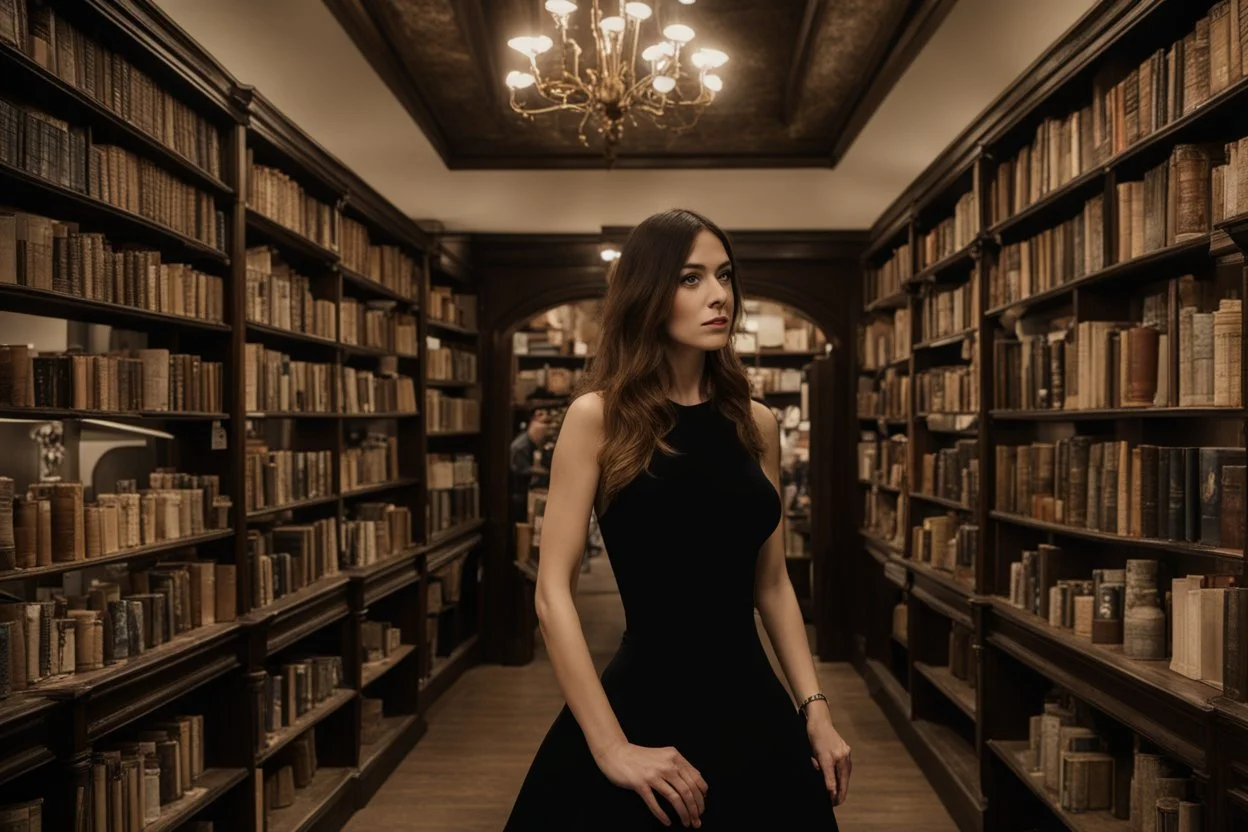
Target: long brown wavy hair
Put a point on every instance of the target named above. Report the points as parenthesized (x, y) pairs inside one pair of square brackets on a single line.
[(630, 367)]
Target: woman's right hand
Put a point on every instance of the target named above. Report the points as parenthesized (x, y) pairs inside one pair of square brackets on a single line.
[(663, 770)]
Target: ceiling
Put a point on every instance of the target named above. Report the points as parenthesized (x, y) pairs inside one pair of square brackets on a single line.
[(803, 77), (303, 61)]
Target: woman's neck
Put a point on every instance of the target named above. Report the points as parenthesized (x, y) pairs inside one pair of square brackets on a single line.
[(687, 367)]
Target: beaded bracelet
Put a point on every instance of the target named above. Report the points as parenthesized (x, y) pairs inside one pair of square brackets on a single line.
[(814, 697)]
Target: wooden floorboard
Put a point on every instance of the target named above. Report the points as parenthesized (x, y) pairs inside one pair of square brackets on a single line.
[(465, 772)]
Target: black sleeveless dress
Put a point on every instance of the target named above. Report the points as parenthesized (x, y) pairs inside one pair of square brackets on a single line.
[(691, 671)]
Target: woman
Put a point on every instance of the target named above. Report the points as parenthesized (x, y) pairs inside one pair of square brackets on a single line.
[(688, 722)]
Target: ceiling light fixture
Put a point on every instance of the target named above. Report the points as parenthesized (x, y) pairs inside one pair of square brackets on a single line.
[(671, 84), (610, 255)]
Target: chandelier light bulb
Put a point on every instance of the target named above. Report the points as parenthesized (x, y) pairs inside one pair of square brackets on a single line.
[(637, 11), (678, 32), (519, 80), (560, 8), (613, 24), (664, 84), (713, 82), (686, 2), (658, 52), (531, 46), (709, 59), (609, 254)]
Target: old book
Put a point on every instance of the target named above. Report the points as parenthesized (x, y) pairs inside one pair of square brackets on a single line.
[(1212, 462), (1235, 637)]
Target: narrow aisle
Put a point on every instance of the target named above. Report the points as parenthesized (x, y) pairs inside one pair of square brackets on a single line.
[(465, 772)]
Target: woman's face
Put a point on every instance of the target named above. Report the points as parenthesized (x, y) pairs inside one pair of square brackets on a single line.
[(702, 309)]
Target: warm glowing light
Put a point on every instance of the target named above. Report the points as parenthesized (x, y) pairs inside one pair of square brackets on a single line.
[(713, 82), (658, 52), (664, 84), (637, 11), (531, 46), (609, 254), (678, 32), (709, 59), (519, 80), (612, 24), (560, 8)]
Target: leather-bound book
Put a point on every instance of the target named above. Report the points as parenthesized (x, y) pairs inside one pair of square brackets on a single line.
[(1142, 357), (8, 542), (1212, 461), (1235, 640), (1147, 491), (1231, 528)]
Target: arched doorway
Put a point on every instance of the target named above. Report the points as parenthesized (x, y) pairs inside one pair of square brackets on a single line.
[(521, 276)]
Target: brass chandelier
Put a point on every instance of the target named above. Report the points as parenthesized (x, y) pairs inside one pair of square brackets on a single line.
[(671, 84)]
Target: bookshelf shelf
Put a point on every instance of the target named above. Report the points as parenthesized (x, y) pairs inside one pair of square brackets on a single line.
[(528, 570), (372, 671), (945, 340), (280, 414), (1186, 128), (434, 434), (879, 543), (437, 560), (119, 224), (445, 670), (62, 96), (1177, 714), (322, 796), (889, 302), (940, 501), (120, 693), (448, 383), (957, 691), (367, 416), (365, 285), (296, 616), (263, 513), (151, 550), (1117, 413), (963, 767), (1134, 542), (380, 488), (355, 351), (1156, 674), (41, 413), (212, 784), (1163, 259), (440, 537), (280, 337), (291, 243), (1043, 209), (448, 327), (395, 728), (1013, 754), (279, 739), (962, 259), (891, 489), (894, 692), (44, 302)]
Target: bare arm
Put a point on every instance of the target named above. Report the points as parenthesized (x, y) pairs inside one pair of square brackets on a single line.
[(773, 592), (573, 484), (782, 618), (573, 487)]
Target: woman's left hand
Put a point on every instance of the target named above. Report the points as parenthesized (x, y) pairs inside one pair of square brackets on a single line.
[(830, 752)]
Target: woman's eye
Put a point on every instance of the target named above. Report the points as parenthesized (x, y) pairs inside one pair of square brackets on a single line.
[(690, 279), (726, 277)]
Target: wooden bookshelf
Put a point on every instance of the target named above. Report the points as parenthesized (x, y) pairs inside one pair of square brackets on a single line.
[(49, 732), (1019, 655)]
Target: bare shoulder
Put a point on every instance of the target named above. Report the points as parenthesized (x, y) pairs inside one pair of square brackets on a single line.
[(584, 416), (765, 419)]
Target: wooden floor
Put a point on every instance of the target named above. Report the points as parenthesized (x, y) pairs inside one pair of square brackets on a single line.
[(465, 772)]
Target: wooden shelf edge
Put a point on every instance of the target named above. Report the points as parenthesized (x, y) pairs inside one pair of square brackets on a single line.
[(955, 690), (1010, 752), (73, 307), (371, 754), (460, 548), (262, 513), (328, 786), (281, 738), (446, 672), (467, 527), (291, 603), (1154, 544), (1117, 413), (372, 671), (212, 784), (150, 550)]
